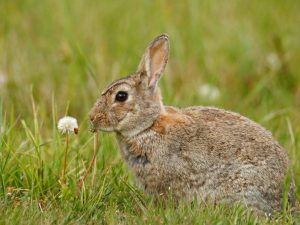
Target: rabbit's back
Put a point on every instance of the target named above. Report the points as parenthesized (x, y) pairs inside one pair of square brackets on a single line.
[(229, 136)]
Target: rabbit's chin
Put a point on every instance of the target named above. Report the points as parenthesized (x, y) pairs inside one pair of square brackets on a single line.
[(106, 129)]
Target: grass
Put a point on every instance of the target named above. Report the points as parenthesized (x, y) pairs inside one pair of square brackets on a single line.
[(56, 56)]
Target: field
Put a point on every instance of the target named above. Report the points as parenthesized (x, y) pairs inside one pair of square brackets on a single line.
[(55, 58)]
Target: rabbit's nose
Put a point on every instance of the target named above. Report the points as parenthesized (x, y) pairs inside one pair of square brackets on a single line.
[(92, 116)]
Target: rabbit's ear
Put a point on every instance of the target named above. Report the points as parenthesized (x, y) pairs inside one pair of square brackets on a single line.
[(155, 59)]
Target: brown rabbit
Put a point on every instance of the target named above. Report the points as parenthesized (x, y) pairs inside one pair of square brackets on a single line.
[(197, 152)]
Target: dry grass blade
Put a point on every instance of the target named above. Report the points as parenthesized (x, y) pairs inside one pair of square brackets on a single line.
[(79, 186)]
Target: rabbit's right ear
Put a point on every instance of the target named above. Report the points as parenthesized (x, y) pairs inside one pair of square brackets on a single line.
[(155, 59)]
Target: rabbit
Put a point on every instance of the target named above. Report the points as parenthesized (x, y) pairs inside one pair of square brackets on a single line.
[(201, 153)]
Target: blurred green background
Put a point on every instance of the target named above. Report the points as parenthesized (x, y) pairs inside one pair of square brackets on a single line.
[(57, 55)]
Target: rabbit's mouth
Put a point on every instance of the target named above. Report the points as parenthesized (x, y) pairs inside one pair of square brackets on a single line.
[(99, 121), (92, 128)]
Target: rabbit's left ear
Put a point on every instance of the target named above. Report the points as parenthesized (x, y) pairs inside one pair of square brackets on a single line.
[(155, 59)]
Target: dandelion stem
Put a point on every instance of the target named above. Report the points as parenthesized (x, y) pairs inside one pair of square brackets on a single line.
[(91, 163), (66, 153), (94, 172)]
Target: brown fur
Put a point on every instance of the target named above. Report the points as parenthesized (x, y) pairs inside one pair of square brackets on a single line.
[(167, 120), (198, 152)]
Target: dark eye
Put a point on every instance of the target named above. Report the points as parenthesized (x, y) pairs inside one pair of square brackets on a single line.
[(121, 96)]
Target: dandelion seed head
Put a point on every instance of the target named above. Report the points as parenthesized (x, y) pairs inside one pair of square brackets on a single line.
[(273, 61), (67, 124), (3, 78), (209, 92)]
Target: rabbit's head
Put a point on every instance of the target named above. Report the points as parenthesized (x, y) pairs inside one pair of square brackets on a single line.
[(131, 105)]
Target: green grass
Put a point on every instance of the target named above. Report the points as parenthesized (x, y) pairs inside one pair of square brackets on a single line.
[(56, 57)]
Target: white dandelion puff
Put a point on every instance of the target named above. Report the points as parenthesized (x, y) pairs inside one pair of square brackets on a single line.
[(209, 92), (3, 78), (273, 61), (67, 124)]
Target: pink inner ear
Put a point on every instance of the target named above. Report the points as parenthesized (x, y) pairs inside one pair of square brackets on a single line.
[(158, 59)]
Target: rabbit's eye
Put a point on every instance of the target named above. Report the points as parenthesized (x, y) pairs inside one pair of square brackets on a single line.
[(121, 96)]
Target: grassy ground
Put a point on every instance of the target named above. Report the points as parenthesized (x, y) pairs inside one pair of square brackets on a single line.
[(56, 56)]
